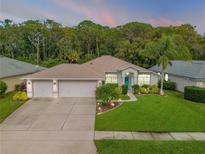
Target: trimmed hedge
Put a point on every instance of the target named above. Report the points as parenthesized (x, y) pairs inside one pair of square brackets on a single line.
[(168, 85), (195, 94)]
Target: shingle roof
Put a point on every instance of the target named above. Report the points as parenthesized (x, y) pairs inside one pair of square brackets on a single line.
[(94, 69), (108, 63), (193, 70), (66, 71), (11, 67)]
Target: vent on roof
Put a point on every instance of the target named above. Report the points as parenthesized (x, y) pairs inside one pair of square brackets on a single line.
[(91, 63)]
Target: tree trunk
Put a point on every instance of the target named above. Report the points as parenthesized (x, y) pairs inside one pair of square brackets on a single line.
[(97, 47), (44, 49), (38, 50), (162, 82)]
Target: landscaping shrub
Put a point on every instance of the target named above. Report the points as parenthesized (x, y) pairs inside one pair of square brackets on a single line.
[(112, 85), (144, 90), (3, 88), (124, 89), (154, 89), (168, 85), (135, 88), (20, 96), (20, 87), (193, 93), (108, 92), (17, 87), (145, 86)]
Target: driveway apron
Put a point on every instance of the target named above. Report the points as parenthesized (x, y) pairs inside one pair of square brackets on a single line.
[(50, 126)]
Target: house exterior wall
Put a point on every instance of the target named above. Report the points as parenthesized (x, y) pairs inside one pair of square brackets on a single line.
[(181, 82), (12, 81), (154, 79)]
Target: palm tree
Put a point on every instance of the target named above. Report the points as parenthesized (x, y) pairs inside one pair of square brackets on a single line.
[(163, 51)]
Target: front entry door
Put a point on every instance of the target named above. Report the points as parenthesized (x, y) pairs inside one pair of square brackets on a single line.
[(127, 81)]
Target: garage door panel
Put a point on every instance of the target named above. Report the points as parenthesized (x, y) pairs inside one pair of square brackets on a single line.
[(42, 88), (77, 88)]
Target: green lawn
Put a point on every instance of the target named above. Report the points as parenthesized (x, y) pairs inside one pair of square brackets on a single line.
[(155, 113), (124, 97), (7, 105), (150, 147)]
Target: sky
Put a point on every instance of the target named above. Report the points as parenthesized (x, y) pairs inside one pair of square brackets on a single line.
[(107, 12)]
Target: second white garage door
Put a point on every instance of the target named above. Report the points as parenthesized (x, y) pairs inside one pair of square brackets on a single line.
[(77, 88)]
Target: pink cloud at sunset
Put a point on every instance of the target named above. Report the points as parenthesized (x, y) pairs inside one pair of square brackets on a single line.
[(98, 13)]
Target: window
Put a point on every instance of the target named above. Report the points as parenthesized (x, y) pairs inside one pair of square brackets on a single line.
[(166, 77), (143, 79), (111, 78)]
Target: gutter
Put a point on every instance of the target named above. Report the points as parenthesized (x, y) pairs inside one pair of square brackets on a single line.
[(79, 79)]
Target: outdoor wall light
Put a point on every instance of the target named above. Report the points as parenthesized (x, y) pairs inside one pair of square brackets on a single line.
[(29, 82), (127, 73), (54, 82)]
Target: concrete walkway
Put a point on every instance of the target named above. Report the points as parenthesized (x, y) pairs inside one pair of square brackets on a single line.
[(132, 97), (149, 136), (50, 126)]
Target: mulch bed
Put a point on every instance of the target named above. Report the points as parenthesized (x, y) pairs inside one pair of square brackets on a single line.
[(109, 106)]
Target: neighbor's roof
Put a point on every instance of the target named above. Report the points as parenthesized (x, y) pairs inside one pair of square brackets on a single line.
[(193, 70), (66, 71), (108, 63), (11, 67)]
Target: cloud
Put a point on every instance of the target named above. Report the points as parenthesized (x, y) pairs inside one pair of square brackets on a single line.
[(164, 22)]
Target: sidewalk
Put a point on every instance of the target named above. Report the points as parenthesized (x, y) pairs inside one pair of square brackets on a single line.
[(149, 136)]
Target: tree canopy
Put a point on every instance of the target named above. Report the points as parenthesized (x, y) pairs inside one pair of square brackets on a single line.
[(48, 43)]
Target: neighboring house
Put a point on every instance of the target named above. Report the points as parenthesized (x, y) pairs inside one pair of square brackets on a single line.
[(81, 80), (12, 71), (184, 73)]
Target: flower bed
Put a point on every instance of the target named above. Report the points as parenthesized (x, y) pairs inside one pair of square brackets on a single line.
[(104, 108)]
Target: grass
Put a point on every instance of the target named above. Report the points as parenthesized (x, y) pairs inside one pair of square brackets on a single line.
[(150, 147), (124, 97), (7, 106), (155, 113)]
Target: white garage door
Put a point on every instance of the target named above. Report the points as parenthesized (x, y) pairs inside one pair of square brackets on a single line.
[(77, 88), (42, 88)]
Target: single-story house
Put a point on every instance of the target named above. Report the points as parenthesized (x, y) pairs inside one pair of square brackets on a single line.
[(81, 80), (12, 71), (184, 73)]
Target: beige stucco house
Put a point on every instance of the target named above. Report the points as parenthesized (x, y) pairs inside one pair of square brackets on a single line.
[(12, 71), (81, 80)]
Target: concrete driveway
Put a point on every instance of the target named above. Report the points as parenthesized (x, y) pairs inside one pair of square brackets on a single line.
[(50, 126)]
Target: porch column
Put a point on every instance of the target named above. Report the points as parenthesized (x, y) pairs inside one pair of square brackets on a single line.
[(55, 88), (29, 88)]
